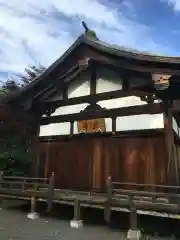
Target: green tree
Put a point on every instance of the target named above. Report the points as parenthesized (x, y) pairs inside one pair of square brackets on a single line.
[(30, 74), (14, 154), (12, 85)]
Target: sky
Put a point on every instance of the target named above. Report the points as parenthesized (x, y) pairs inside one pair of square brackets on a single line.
[(36, 32)]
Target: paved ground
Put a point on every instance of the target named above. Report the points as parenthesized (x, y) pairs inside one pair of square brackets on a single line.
[(14, 225)]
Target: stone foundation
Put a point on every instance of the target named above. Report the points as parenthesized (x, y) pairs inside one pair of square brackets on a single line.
[(33, 215), (134, 235), (76, 224)]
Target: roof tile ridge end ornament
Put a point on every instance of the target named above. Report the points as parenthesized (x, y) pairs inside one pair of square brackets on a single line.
[(89, 33)]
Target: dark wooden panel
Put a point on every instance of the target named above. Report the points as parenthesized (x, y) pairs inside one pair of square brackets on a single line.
[(42, 156), (69, 160), (85, 163), (178, 160), (160, 162), (135, 160)]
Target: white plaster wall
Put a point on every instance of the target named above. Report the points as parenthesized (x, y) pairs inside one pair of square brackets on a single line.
[(104, 85), (136, 122), (61, 128), (108, 122), (139, 122), (79, 86), (70, 109), (55, 129), (111, 103), (75, 128), (121, 102), (108, 80), (175, 125)]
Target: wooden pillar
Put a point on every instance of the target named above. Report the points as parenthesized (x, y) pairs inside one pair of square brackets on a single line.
[(113, 125), (125, 79), (1, 186), (46, 165), (107, 207), (33, 214), (133, 233), (31, 148), (50, 193), (133, 218), (172, 178), (76, 222), (93, 77), (71, 128), (33, 135), (33, 205), (1, 177), (77, 212)]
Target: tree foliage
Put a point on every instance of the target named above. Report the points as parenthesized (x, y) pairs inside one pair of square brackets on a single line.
[(30, 74), (12, 85), (14, 157), (14, 153)]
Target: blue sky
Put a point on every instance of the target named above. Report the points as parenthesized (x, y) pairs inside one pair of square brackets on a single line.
[(39, 31)]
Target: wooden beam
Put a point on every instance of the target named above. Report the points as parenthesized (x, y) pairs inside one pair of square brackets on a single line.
[(71, 128), (125, 79), (107, 113), (93, 77), (118, 134), (113, 125), (93, 98), (172, 166), (64, 80)]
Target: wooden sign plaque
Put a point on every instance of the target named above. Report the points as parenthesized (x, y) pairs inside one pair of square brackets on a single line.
[(94, 125)]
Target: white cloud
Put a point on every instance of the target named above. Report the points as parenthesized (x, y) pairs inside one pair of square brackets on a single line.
[(24, 34), (175, 4), (40, 31)]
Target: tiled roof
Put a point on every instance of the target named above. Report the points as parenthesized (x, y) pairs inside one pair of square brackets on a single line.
[(100, 45), (130, 53)]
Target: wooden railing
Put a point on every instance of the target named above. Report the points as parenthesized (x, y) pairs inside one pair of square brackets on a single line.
[(28, 186), (117, 194), (154, 191), (23, 183), (167, 199)]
